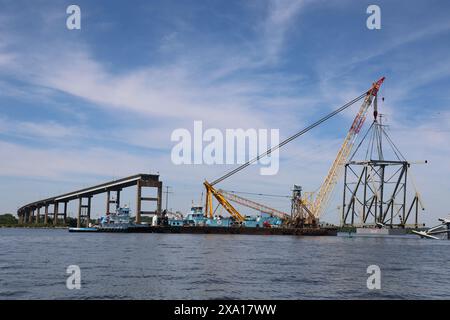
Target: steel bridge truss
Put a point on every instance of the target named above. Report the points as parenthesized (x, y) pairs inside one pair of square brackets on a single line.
[(375, 194)]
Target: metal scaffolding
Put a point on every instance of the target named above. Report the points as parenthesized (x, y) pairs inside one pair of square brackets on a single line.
[(375, 189)]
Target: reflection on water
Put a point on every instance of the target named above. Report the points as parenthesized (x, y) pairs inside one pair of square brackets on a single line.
[(33, 265)]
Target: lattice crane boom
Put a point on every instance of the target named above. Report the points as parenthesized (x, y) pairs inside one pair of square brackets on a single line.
[(253, 204), (325, 191), (210, 192)]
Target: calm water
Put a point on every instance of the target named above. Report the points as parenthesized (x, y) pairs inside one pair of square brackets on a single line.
[(167, 266)]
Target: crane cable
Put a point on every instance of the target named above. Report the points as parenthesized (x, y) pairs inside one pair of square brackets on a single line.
[(315, 124), (258, 194)]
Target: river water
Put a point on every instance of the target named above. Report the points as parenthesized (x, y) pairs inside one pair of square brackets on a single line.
[(33, 265)]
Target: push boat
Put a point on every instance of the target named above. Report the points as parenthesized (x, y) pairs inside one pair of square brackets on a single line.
[(119, 221)]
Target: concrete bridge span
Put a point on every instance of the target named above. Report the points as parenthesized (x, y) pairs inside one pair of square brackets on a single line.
[(38, 211)]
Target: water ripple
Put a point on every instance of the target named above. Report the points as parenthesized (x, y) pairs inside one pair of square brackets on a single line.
[(169, 266)]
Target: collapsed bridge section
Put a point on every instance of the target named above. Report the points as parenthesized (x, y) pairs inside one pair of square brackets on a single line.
[(35, 211)]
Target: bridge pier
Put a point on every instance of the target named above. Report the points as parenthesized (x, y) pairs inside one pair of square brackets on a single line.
[(110, 201), (65, 213), (150, 183), (46, 214), (86, 211), (30, 215), (38, 215), (55, 213), (138, 201), (80, 202)]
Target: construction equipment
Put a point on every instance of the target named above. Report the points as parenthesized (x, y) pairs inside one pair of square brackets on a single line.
[(301, 215), (323, 195), (313, 209), (211, 191), (254, 205)]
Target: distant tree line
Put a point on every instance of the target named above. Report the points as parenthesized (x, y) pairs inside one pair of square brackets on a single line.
[(8, 219)]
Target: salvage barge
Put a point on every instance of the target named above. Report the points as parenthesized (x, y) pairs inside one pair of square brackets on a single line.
[(196, 223), (214, 230)]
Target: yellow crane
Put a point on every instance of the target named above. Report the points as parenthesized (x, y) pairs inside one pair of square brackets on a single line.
[(313, 208), (210, 192), (323, 195)]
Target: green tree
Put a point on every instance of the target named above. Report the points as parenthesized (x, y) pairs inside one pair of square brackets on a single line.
[(8, 218), (71, 222)]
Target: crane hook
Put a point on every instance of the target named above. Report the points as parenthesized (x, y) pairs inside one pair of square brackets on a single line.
[(375, 108)]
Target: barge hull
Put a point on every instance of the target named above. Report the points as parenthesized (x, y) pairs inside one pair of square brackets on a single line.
[(222, 230)]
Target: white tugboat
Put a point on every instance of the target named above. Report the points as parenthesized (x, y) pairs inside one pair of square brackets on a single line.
[(119, 221)]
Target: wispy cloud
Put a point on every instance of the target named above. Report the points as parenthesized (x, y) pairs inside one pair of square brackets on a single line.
[(181, 91), (281, 15), (38, 130)]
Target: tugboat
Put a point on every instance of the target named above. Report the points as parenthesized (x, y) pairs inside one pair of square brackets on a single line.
[(119, 221)]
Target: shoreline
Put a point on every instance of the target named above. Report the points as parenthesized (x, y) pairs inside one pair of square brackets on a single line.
[(31, 227)]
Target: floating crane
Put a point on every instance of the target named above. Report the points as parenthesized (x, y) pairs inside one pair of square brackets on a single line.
[(313, 208)]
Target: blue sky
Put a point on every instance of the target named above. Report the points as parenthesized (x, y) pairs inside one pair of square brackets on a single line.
[(83, 106)]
